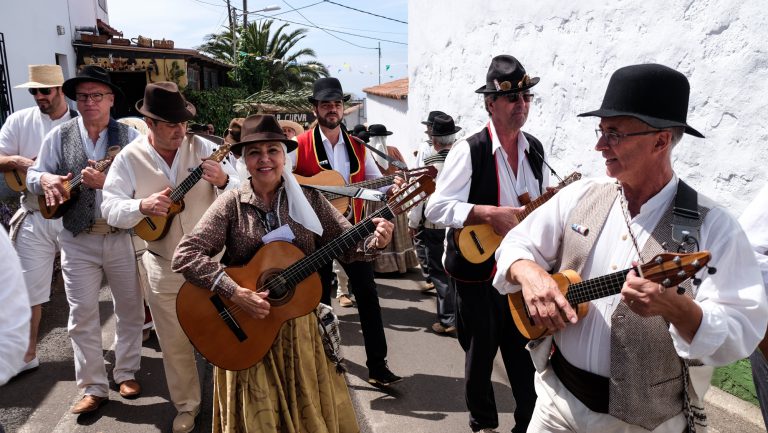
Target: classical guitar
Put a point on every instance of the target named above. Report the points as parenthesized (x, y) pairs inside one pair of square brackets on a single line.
[(16, 180), (334, 178), (73, 186), (229, 337), (667, 269), (478, 242), (152, 228)]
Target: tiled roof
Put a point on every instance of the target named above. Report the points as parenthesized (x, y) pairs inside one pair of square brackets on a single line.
[(105, 28), (397, 89)]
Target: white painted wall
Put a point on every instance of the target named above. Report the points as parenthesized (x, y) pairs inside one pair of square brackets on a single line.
[(575, 46), (391, 113), (31, 37)]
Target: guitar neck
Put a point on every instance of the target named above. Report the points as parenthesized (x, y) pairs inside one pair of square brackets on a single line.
[(305, 267), (78, 178), (596, 288), (533, 205), (180, 191), (375, 183)]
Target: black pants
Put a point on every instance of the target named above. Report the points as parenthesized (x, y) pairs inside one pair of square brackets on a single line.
[(484, 326), (362, 285), (421, 254), (434, 243)]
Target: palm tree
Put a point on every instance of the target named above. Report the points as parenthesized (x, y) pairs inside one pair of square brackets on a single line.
[(265, 60)]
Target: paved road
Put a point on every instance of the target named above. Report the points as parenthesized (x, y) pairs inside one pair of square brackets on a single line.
[(430, 399)]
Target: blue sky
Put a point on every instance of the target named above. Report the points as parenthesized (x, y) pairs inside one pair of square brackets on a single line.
[(348, 57)]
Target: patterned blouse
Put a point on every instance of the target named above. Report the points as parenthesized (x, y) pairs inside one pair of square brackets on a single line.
[(234, 222)]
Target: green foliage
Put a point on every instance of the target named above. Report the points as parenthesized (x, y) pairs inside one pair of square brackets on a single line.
[(291, 100), (216, 106), (736, 379)]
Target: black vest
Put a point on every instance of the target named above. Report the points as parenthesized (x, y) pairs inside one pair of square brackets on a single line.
[(484, 190)]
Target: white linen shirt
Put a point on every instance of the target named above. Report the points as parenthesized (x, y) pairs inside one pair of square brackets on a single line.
[(23, 132), (733, 301), (754, 221), (339, 159), (14, 312), (51, 157), (448, 204), (121, 208)]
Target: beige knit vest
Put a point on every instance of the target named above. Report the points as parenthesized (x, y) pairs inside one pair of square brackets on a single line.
[(150, 180), (646, 382)]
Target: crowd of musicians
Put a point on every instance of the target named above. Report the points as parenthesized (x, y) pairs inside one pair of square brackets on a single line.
[(610, 298)]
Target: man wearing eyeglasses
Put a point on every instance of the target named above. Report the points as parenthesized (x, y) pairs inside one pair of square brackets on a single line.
[(640, 359), (35, 238), (89, 246), (485, 180), (139, 185)]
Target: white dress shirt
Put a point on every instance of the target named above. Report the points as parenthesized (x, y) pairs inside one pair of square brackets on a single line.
[(121, 208), (754, 220), (23, 132), (51, 157), (14, 312), (448, 204), (733, 301)]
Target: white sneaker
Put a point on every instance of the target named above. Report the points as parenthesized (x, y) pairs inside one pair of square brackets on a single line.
[(31, 365)]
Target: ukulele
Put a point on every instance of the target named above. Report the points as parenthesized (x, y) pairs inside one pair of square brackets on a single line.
[(230, 338), (478, 242), (73, 186), (153, 228), (334, 178), (667, 269)]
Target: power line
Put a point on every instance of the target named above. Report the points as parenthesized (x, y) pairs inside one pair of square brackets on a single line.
[(303, 7), (211, 4), (365, 12), (326, 31)]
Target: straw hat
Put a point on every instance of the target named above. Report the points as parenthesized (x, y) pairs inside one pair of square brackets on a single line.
[(41, 76), (291, 124)]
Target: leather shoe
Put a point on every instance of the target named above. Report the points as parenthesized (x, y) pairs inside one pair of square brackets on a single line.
[(130, 389), (88, 403), (184, 422), (345, 300)]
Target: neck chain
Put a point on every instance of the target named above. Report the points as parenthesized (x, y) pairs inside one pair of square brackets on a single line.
[(627, 219)]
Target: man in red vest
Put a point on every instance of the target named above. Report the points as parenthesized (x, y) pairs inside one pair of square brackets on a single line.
[(327, 146)]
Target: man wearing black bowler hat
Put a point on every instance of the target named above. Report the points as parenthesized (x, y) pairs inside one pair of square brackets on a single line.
[(328, 146), (640, 360), (138, 185), (484, 181), (89, 246)]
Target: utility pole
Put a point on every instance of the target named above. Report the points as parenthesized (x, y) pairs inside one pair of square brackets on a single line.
[(245, 13), (229, 15), (379, 62)]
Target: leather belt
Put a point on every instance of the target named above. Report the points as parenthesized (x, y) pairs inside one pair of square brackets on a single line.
[(590, 388), (100, 227)]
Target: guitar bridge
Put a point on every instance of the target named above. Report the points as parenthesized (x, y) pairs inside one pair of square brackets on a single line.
[(228, 318)]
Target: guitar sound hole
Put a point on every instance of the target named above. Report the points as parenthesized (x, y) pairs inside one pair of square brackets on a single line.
[(280, 292)]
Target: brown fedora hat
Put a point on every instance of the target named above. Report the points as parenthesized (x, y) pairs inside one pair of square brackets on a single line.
[(260, 128), (163, 101), (41, 76)]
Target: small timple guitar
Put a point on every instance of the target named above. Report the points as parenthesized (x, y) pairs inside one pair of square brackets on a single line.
[(334, 178), (478, 242), (232, 339), (667, 269), (73, 186), (152, 228), (16, 180)]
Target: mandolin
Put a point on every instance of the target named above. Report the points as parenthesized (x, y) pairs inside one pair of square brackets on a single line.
[(153, 228), (478, 242), (73, 186), (230, 338), (334, 178), (667, 269)]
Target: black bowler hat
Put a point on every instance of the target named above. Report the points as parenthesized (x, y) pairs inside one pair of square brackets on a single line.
[(506, 75), (358, 129), (431, 117), (163, 101), (327, 89), (260, 128), (443, 125), (378, 130), (364, 135), (93, 74), (655, 94)]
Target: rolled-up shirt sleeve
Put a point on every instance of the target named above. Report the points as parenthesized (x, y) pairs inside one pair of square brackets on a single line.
[(448, 204), (47, 161)]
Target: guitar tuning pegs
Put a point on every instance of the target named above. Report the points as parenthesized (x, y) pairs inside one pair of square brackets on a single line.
[(711, 270), (697, 282), (664, 246), (680, 290)]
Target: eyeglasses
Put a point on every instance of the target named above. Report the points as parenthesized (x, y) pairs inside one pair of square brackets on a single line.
[(43, 91), (95, 97), (514, 97), (173, 124), (613, 137)]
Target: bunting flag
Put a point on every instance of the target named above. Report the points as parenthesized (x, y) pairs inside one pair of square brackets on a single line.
[(387, 67)]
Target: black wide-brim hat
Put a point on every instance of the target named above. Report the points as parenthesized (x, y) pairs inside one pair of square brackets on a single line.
[(327, 89), (163, 101), (443, 125), (261, 128), (378, 130), (506, 75), (93, 74), (431, 117), (655, 94)]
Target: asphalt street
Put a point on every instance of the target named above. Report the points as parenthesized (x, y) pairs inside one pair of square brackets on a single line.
[(429, 399)]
